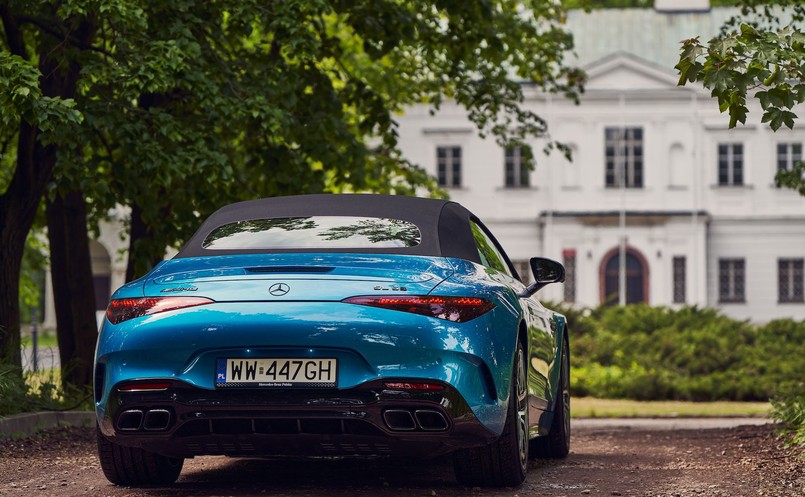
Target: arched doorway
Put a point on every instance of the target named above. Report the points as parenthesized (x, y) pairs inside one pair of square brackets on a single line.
[(636, 277)]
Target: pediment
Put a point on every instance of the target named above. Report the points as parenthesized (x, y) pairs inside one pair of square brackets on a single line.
[(624, 71)]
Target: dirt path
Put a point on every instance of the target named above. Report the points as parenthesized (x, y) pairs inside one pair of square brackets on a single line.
[(742, 461)]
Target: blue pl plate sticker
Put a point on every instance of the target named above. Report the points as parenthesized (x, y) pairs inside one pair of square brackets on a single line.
[(220, 375)]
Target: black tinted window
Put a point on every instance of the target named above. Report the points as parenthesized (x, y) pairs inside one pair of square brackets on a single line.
[(314, 232), (490, 257)]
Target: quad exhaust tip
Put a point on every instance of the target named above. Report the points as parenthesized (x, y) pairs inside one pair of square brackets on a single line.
[(156, 420), (130, 420), (419, 419), (399, 420), (430, 420), (148, 420)]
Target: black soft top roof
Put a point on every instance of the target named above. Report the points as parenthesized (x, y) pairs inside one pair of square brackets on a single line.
[(444, 225)]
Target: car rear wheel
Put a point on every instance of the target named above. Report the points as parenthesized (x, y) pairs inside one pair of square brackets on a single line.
[(135, 467), (556, 444), (504, 462)]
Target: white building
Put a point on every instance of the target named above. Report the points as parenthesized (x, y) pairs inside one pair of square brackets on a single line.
[(703, 222), (702, 218)]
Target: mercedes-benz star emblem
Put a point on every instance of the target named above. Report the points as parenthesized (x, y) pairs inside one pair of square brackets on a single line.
[(279, 289)]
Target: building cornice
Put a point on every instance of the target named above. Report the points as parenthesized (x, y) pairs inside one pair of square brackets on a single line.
[(632, 218), (618, 213)]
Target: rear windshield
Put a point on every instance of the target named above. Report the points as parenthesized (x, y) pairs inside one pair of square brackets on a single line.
[(325, 232)]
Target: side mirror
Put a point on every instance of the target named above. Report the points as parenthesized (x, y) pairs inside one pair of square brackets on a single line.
[(545, 271)]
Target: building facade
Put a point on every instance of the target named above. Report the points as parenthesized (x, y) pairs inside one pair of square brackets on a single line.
[(655, 170)]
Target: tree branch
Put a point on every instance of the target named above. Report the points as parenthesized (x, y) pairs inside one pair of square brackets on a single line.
[(62, 34), (13, 34)]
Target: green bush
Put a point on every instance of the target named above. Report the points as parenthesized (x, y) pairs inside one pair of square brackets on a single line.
[(29, 392), (656, 353), (791, 412), (12, 390)]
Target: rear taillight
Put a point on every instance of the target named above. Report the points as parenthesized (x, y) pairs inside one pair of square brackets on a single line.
[(145, 386), (455, 309), (120, 310), (420, 386)]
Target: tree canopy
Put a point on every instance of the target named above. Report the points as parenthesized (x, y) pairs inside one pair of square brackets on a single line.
[(759, 54), (172, 108)]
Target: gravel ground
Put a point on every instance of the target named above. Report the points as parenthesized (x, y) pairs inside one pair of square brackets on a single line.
[(619, 461)]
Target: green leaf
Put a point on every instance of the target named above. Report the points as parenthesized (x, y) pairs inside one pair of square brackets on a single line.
[(748, 31), (788, 119), (737, 115), (774, 116), (799, 93), (688, 71)]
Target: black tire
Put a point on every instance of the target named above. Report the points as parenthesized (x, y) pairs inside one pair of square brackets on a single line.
[(556, 444), (504, 462), (135, 467)]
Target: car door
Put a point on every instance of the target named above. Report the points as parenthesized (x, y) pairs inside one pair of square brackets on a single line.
[(541, 347), (541, 355)]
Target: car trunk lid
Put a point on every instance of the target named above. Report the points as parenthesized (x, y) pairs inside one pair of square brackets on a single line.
[(297, 277)]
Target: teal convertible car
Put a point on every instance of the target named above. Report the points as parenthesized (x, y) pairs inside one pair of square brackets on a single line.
[(334, 325)]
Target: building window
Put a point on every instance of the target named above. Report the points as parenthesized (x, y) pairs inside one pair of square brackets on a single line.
[(449, 166), (731, 280), (788, 154), (790, 284), (517, 173), (679, 280), (730, 164), (569, 261), (624, 157)]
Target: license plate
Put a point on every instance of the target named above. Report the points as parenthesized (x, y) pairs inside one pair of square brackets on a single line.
[(276, 373)]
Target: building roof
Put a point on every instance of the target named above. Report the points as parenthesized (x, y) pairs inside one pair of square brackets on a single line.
[(647, 33), (627, 71), (682, 5)]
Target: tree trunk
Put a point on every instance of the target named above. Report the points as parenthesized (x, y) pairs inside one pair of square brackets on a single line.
[(18, 207), (10, 259), (144, 251), (137, 231), (12, 244), (33, 171), (73, 292)]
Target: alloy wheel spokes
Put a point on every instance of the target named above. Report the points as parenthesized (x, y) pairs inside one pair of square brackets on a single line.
[(522, 408)]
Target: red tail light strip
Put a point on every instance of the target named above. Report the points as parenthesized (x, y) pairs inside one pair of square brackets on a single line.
[(455, 309), (120, 310), (413, 385), (144, 386)]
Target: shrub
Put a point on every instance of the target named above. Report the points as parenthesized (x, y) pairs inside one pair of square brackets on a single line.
[(790, 411), (657, 353), (30, 392), (13, 390)]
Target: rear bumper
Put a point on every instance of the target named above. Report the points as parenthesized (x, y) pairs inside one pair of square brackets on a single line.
[(367, 420)]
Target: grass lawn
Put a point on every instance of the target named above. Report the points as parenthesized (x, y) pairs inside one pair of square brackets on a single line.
[(588, 407), (45, 338)]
